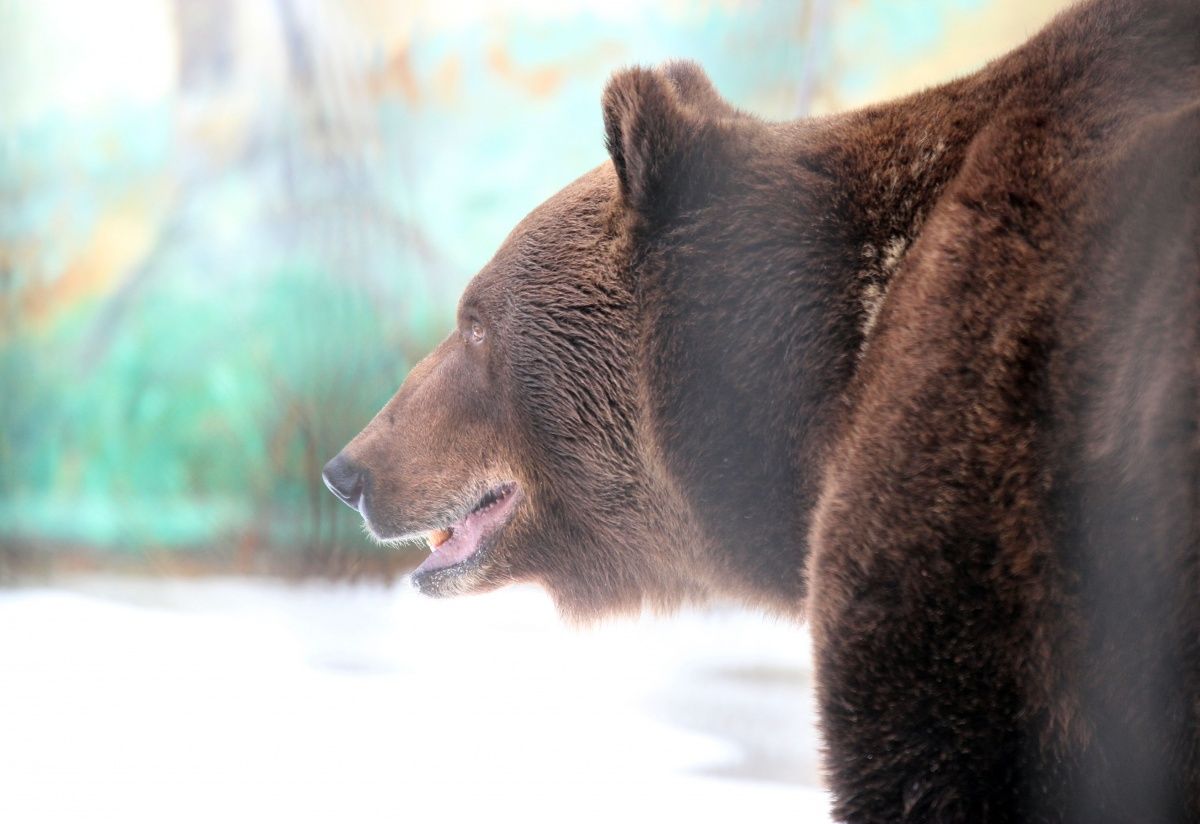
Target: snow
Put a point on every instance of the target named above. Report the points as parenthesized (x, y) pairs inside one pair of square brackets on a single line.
[(234, 700)]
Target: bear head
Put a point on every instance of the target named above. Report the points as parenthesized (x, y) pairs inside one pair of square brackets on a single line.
[(541, 440)]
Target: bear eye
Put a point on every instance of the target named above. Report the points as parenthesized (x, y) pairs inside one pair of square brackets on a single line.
[(476, 332)]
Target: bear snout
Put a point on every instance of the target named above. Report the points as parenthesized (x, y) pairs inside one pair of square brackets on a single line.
[(345, 479)]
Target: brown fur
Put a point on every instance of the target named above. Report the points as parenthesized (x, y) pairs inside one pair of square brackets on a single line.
[(936, 362)]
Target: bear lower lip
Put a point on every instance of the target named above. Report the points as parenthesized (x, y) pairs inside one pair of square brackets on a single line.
[(460, 541)]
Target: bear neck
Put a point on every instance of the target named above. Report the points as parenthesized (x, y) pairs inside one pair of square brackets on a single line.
[(884, 168), (764, 308)]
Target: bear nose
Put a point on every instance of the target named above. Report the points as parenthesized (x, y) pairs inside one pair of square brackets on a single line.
[(345, 479)]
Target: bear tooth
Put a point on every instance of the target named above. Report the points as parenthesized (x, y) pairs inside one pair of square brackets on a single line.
[(437, 537)]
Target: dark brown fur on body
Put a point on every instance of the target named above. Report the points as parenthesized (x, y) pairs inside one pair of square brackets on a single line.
[(927, 372)]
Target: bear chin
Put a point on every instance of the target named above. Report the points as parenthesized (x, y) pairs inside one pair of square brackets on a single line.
[(462, 578)]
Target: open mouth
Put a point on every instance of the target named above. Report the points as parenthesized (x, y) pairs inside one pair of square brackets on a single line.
[(458, 542)]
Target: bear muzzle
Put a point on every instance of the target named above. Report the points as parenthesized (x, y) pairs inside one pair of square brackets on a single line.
[(458, 535)]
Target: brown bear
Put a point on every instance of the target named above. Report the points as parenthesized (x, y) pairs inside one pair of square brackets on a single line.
[(927, 374)]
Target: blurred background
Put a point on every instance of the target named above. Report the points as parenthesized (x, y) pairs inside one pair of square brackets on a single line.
[(228, 228)]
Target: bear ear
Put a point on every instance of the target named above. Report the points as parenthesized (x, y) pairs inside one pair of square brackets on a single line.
[(696, 90), (652, 133)]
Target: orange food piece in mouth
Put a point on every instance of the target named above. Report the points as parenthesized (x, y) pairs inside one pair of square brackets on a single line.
[(438, 537)]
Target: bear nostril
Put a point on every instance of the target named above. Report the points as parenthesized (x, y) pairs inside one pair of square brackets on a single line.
[(345, 479)]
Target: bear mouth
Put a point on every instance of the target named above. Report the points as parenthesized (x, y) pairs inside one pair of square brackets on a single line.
[(460, 542)]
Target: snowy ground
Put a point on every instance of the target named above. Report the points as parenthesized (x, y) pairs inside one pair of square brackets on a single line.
[(157, 700)]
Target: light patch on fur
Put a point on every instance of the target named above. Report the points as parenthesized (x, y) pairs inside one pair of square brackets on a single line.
[(893, 253), (927, 157), (872, 301), (881, 266)]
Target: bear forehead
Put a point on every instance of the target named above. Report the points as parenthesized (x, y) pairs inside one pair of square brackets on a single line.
[(564, 236)]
